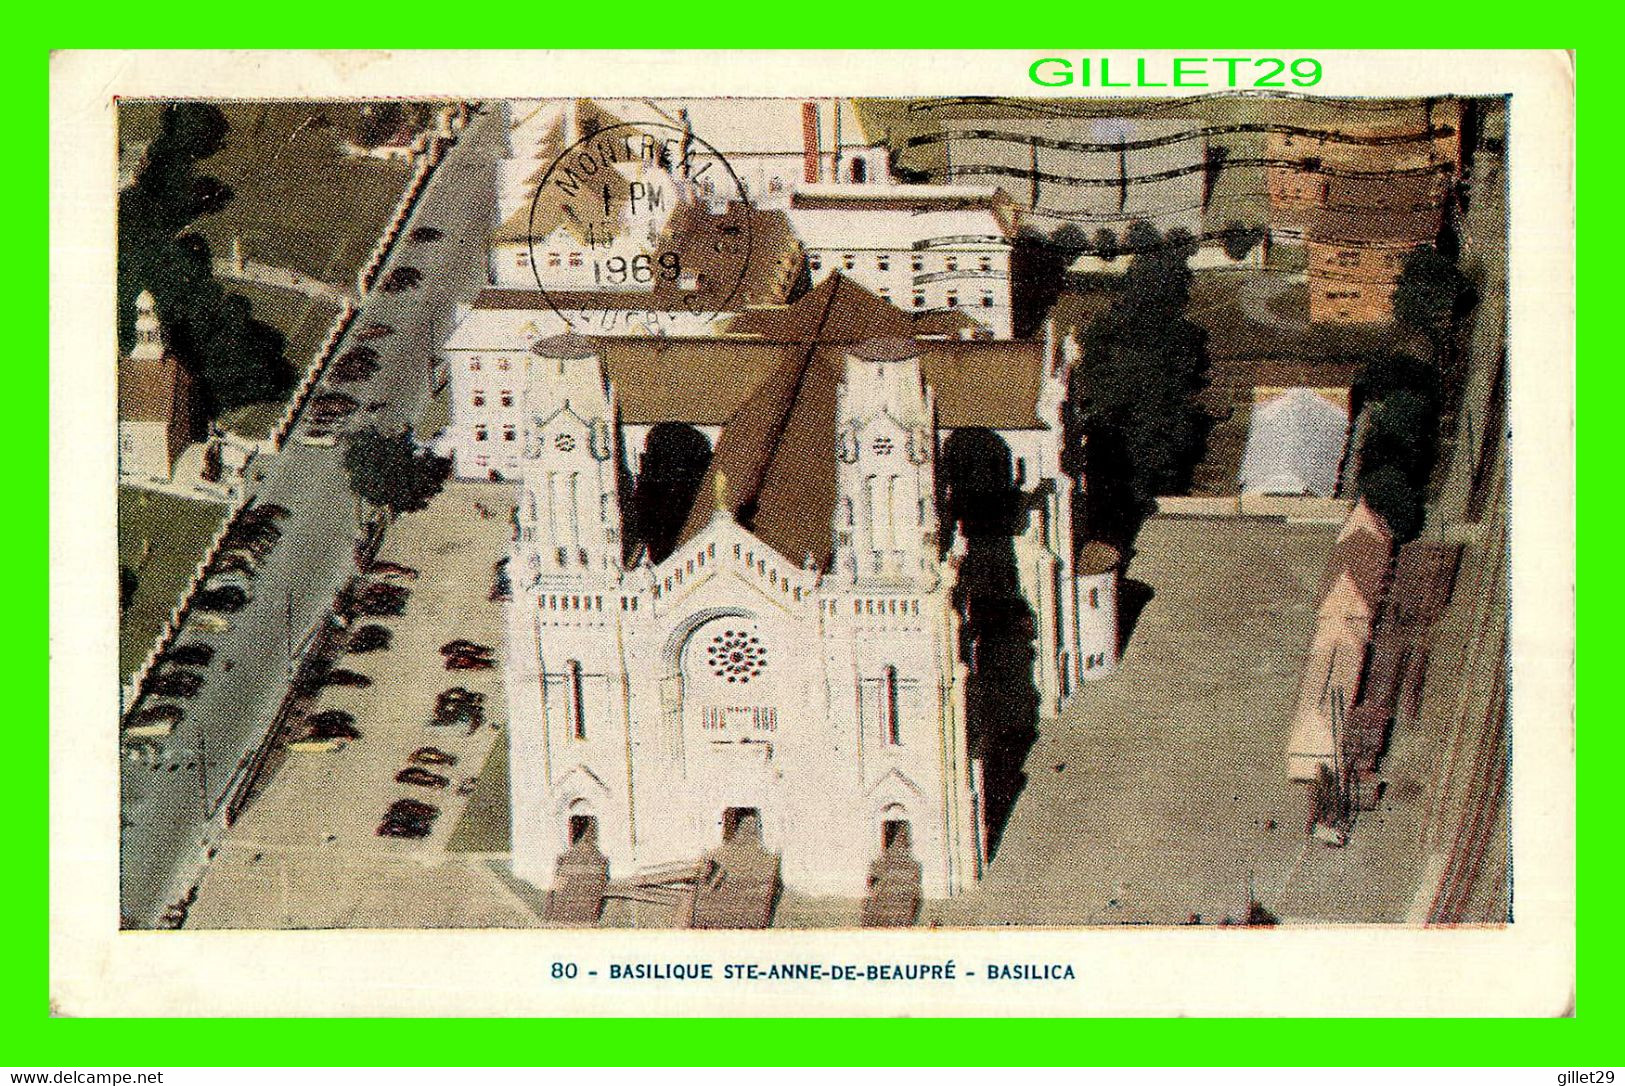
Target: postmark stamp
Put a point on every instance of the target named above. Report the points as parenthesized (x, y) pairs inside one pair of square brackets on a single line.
[(649, 208)]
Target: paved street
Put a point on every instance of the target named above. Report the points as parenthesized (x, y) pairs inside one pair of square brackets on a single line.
[(170, 809)]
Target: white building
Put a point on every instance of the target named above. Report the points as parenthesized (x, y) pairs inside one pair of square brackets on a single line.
[(485, 356), (795, 656), (924, 248), (607, 237), (774, 145)]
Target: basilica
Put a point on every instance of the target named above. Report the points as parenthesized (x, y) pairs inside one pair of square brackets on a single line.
[(773, 637)]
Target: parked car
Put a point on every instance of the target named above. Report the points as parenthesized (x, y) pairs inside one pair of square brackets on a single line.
[(466, 662), (159, 714), (241, 562), (343, 676), (226, 598), (333, 724), (193, 655), (425, 233), (402, 278), (375, 330), (361, 356), (394, 569), (345, 373), (433, 756), (381, 598), (412, 808), (459, 710), (461, 647), (421, 777), (175, 684), (370, 638), (333, 405), (391, 827)]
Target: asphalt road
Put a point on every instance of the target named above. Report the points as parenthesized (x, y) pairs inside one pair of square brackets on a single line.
[(171, 806)]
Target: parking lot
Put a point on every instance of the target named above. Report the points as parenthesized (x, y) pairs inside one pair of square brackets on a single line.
[(305, 853)]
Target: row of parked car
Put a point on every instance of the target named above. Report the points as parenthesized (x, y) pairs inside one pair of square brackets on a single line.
[(179, 675)]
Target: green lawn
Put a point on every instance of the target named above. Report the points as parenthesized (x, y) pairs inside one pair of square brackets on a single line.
[(485, 821), (162, 538), (299, 201)]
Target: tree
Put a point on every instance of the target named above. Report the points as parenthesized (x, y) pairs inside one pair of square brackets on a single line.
[(1239, 239), (1106, 244), (377, 122), (234, 358), (1135, 396), (1430, 295), (1396, 499), (1398, 397), (390, 473)]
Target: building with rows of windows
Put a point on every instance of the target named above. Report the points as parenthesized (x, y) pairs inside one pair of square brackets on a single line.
[(924, 248)]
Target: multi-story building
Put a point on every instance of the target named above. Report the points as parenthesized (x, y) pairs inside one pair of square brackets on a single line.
[(924, 248), (484, 357), (1362, 197), (792, 664), (772, 146)]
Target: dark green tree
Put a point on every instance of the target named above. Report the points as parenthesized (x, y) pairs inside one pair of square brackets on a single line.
[(1107, 245), (1135, 397), (1240, 239), (390, 473), (1396, 499), (1430, 295), (377, 121), (234, 358)]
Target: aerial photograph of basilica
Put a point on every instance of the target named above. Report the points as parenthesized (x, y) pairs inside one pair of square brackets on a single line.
[(813, 512)]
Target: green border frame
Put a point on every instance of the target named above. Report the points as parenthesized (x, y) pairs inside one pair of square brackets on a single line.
[(34, 1038)]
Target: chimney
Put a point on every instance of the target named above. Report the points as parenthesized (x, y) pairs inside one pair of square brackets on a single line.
[(809, 142)]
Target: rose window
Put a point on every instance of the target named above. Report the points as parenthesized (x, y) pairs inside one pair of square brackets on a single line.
[(736, 655), (564, 443)]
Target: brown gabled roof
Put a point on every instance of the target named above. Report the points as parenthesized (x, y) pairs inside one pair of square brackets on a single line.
[(148, 389), (777, 447), (702, 380), (778, 453), (837, 310), (1363, 553), (706, 380)]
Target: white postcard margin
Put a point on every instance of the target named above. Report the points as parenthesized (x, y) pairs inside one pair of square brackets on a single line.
[(1525, 968)]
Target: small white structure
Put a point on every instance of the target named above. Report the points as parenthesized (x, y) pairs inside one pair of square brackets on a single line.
[(924, 248), (1295, 443)]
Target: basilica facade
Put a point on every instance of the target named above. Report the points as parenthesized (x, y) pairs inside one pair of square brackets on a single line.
[(791, 657)]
